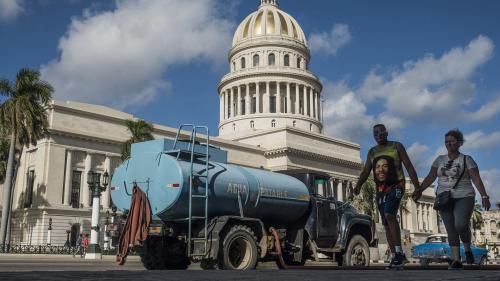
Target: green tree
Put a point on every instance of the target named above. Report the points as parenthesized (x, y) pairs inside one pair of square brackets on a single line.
[(366, 202), (4, 154), (140, 130), (477, 217), (24, 118)]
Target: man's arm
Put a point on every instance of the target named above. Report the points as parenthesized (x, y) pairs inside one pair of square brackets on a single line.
[(364, 174), (408, 165)]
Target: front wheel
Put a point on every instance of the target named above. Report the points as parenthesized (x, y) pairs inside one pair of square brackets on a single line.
[(239, 249), (357, 252)]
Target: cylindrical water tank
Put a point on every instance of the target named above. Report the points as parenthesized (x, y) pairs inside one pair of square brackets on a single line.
[(233, 190)]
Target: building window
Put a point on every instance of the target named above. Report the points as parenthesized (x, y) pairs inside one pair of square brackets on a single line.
[(243, 63), (242, 104), (310, 127), (272, 104), (229, 106), (28, 198), (234, 66), (287, 60), (298, 62), (294, 123), (252, 124), (75, 232), (76, 182), (271, 59), (254, 105), (234, 127), (255, 60), (273, 123), (91, 200)]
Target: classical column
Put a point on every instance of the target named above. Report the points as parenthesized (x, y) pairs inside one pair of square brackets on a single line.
[(288, 99), (226, 104), (85, 186), (267, 98), (106, 193), (257, 92), (318, 106), (221, 106), (306, 101), (231, 95), (297, 99), (248, 101), (238, 102), (340, 192), (311, 94), (313, 101), (278, 97), (67, 180)]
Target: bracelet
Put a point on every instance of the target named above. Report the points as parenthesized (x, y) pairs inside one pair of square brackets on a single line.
[(485, 197)]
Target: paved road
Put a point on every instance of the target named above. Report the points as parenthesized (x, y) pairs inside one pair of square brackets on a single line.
[(27, 267)]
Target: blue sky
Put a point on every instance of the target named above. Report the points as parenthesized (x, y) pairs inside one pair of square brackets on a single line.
[(421, 67)]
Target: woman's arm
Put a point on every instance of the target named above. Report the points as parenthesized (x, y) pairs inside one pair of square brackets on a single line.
[(478, 183), (429, 179)]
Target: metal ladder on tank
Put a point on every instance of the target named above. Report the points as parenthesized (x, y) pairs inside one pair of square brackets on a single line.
[(204, 157)]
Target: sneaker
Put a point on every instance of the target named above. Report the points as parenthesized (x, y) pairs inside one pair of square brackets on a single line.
[(456, 265), (469, 257), (397, 262)]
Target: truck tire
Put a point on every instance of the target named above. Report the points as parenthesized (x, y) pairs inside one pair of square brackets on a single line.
[(357, 252), (157, 254), (239, 249)]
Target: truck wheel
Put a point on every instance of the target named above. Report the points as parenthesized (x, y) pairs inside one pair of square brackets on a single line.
[(357, 252), (239, 249), (157, 255)]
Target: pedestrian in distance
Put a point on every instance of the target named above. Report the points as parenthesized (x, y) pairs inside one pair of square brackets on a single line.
[(456, 173), (385, 160), (85, 244), (78, 246)]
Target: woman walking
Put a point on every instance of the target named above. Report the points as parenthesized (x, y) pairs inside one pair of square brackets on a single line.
[(456, 173)]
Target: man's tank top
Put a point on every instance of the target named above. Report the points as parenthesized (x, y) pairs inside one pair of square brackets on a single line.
[(386, 165)]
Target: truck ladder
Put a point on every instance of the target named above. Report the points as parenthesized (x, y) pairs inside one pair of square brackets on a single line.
[(201, 157)]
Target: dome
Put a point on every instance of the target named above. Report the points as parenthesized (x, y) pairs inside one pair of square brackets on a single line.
[(268, 20)]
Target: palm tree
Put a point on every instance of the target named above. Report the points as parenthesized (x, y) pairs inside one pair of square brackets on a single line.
[(24, 118), (140, 130), (477, 217), (4, 154), (367, 202)]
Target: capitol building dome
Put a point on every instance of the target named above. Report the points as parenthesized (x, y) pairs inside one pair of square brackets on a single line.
[(269, 84)]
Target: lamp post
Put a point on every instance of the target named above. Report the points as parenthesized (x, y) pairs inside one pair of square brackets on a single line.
[(94, 251), (49, 232), (67, 244)]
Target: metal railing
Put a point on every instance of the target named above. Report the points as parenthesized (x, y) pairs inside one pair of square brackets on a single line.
[(54, 250)]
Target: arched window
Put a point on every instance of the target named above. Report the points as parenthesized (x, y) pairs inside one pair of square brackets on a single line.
[(271, 59), (234, 66), (243, 63), (255, 60), (298, 62), (273, 123), (287, 60), (252, 124), (294, 123)]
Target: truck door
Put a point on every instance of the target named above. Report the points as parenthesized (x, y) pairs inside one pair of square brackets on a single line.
[(327, 222)]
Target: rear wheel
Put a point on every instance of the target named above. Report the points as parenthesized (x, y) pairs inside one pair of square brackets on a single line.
[(357, 252), (164, 254), (239, 249)]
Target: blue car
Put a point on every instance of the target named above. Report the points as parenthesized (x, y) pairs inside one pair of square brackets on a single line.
[(436, 249)]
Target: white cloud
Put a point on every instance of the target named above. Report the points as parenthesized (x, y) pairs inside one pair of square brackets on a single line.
[(480, 140), (329, 43), (418, 154), (491, 180), (119, 58), (10, 9), (433, 89)]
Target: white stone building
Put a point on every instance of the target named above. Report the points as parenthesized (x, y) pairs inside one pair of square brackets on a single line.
[(270, 117)]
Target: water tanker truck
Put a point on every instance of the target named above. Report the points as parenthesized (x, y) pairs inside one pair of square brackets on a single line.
[(231, 217)]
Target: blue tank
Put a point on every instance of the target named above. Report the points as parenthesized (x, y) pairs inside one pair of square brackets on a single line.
[(269, 196)]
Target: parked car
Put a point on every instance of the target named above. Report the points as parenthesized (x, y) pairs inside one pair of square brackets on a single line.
[(436, 249)]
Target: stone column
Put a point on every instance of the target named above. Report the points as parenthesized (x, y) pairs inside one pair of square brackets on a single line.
[(67, 180), (106, 193), (278, 97), (311, 94), (306, 101), (231, 94), (85, 186), (340, 191), (318, 106), (248, 101), (238, 102), (313, 101), (221, 106), (226, 104), (288, 99), (297, 99), (257, 92), (267, 98)]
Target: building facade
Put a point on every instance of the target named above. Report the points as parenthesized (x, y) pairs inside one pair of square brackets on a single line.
[(270, 118)]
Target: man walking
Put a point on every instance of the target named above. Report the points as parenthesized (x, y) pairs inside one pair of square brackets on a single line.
[(386, 159)]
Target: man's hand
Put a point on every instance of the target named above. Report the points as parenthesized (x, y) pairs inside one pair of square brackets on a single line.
[(356, 190), (486, 203)]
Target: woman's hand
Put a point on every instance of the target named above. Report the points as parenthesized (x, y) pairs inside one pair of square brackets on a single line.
[(486, 203)]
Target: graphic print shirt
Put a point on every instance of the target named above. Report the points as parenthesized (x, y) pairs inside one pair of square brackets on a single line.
[(449, 171), (386, 165)]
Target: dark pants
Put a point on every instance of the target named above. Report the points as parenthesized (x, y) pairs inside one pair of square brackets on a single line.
[(456, 219)]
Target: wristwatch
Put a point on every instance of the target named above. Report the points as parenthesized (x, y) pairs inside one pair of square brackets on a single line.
[(485, 197)]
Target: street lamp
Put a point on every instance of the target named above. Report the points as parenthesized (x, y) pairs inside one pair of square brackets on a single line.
[(49, 232), (93, 180)]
